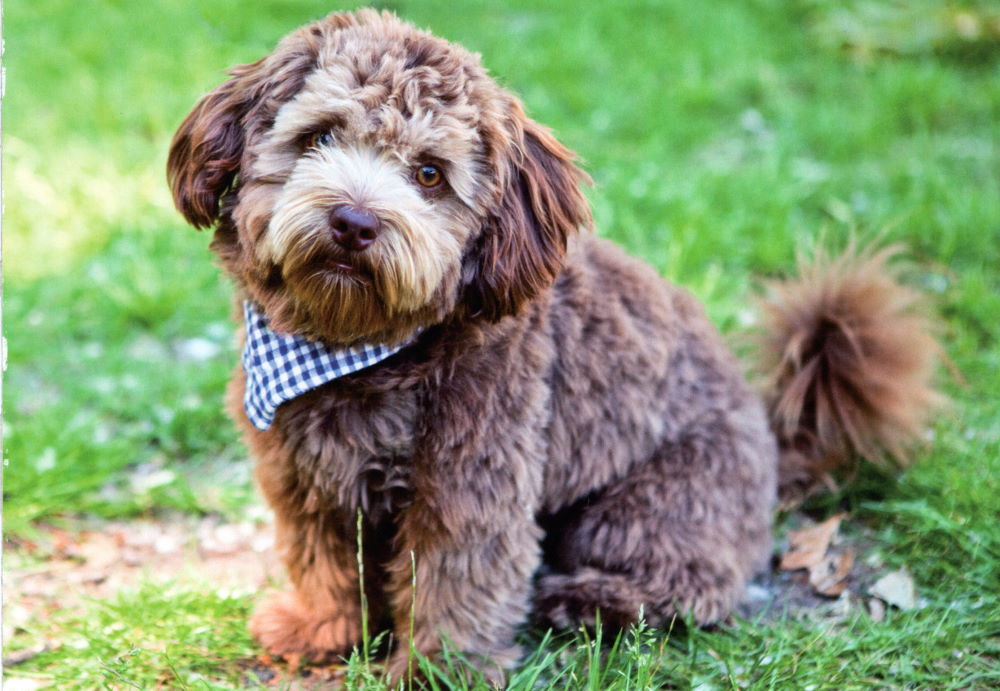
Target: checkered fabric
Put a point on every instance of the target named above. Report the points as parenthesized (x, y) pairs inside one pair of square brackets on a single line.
[(280, 367)]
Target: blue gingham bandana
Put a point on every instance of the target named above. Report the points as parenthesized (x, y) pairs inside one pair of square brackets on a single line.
[(280, 367)]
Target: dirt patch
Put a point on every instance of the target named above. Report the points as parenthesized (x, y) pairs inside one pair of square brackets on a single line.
[(61, 567)]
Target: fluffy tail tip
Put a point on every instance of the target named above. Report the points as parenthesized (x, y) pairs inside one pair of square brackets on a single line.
[(849, 354)]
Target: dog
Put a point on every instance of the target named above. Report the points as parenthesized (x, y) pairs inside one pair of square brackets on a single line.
[(529, 423)]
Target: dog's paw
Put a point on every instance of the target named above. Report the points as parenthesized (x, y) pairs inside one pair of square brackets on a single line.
[(286, 627), (475, 670), (589, 596), (586, 597)]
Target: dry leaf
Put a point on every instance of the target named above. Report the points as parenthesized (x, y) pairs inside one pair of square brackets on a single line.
[(829, 576), (896, 589), (809, 545)]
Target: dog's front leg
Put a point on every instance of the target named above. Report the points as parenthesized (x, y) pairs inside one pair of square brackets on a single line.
[(463, 582), (468, 545), (320, 617)]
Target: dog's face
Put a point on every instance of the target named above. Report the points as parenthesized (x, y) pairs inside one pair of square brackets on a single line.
[(367, 179)]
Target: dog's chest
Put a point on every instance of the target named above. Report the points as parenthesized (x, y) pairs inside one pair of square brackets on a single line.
[(354, 449)]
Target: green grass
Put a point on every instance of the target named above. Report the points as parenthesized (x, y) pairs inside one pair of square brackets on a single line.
[(178, 638), (721, 138)]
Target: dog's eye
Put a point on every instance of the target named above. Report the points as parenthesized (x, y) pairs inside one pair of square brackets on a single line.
[(319, 139), (429, 176)]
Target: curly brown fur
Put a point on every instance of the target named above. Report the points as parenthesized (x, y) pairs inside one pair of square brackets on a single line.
[(850, 356), (560, 403)]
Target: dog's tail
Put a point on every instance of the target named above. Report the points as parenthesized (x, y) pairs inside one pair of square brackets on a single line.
[(849, 354)]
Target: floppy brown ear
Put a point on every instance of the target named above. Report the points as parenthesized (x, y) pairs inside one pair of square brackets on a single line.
[(206, 151), (521, 248)]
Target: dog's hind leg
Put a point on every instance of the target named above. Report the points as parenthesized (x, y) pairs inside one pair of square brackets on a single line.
[(680, 533)]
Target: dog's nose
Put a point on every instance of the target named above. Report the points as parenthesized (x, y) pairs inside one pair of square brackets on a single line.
[(353, 228)]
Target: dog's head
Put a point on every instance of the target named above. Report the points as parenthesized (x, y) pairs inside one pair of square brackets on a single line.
[(367, 179)]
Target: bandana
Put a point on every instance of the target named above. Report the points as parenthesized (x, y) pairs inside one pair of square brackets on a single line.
[(280, 367)]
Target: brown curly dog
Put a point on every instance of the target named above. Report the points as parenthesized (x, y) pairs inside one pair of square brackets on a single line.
[(555, 430)]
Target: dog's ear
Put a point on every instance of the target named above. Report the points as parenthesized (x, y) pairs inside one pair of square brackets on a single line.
[(520, 250), (206, 151)]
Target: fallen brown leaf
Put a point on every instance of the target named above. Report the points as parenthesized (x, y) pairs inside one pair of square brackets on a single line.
[(809, 545), (829, 576)]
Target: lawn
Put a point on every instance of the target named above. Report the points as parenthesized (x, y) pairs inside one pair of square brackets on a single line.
[(722, 138)]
